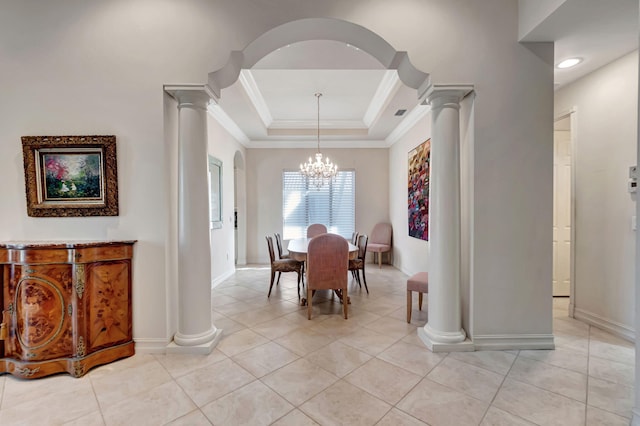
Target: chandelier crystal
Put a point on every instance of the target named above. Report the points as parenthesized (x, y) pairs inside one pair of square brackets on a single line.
[(319, 172)]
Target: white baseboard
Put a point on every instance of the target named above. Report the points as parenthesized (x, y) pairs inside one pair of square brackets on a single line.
[(612, 327), (499, 342), (218, 280), (151, 346)]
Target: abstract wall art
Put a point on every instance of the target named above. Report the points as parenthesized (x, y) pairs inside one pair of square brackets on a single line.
[(419, 162)]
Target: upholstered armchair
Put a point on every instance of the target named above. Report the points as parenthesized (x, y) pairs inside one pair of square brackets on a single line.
[(380, 241)]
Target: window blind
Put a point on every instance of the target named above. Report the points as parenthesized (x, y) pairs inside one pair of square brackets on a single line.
[(333, 204)]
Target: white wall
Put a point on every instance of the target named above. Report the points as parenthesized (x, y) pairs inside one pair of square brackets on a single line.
[(606, 103), (410, 255), (222, 146), (95, 67), (264, 190), (533, 12)]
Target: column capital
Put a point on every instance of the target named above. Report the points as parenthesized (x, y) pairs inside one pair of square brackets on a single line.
[(191, 95), (438, 95)]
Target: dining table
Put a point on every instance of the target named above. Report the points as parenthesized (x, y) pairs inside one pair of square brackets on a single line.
[(297, 249)]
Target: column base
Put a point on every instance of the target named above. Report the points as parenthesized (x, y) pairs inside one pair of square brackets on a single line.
[(195, 344), (445, 341)]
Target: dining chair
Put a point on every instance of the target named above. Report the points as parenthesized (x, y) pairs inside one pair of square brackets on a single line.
[(354, 238), (327, 268), (380, 241), (282, 265), (281, 255), (357, 265), (316, 229)]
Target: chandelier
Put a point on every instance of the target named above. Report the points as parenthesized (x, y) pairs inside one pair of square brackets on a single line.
[(318, 172)]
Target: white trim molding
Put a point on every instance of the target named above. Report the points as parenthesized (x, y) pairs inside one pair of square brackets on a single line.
[(151, 346), (612, 327), (388, 87), (218, 280), (499, 342), (255, 96), (228, 124)]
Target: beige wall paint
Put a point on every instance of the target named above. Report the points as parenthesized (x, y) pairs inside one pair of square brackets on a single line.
[(410, 255), (606, 132), (222, 146), (95, 67), (264, 190)]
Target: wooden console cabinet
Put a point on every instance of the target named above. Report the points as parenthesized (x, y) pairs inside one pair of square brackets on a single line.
[(66, 306)]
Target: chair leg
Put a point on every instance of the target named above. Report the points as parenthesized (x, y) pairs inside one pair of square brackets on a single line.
[(273, 274), (278, 282), (309, 297), (409, 306), (358, 277), (345, 302), (380, 260), (298, 285), (420, 301), (365, 280)]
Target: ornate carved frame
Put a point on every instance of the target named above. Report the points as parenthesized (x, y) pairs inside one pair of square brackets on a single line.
[(38, 206)]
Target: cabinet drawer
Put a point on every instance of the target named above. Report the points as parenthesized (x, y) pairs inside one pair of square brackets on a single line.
[(108, 252)]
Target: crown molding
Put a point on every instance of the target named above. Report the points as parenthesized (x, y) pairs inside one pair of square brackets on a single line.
[(416, 114), (252, 90), (388, 87), (228, 124), (299, 144)]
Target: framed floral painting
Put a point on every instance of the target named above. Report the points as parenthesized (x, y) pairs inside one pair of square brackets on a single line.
[(70, 175)]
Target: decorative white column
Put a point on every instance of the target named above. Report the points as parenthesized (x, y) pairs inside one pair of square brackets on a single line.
[(196, 332), (443, 331)]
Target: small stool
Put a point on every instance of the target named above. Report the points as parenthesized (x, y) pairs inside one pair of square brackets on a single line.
[(420, 283)]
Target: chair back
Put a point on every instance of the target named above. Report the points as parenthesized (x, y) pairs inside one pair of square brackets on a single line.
[(272, 255), (316, 229), (327, 262), (279, 244), (382, 233), (362, 246), (354, 238)]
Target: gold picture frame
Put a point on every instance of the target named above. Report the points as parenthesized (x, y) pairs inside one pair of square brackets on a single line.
[(70, 176)]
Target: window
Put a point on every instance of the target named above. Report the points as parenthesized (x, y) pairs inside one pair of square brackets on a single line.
[(333, 204)]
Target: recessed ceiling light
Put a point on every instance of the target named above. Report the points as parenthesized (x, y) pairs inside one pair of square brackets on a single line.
[(568, 63)]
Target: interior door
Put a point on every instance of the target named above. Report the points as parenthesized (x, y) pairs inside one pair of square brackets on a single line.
[(562, 208)]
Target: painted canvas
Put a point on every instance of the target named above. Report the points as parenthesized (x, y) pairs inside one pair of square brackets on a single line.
[(418, 186), (72, 176)]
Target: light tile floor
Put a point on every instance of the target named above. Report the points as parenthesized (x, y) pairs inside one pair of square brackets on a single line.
[(273, 366)]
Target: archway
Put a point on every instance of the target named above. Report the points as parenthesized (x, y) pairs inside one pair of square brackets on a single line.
[(319, 29), (445, 331)]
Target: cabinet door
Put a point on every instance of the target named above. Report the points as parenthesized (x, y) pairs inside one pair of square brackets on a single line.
[(107, 293), (38, 298)]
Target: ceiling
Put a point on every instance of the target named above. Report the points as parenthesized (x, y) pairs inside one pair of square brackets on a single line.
[(273, 104)]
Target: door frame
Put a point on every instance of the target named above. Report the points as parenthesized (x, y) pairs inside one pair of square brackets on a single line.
[(572, 114)]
